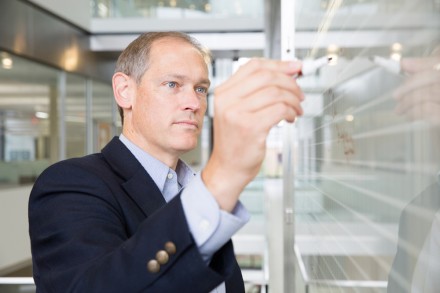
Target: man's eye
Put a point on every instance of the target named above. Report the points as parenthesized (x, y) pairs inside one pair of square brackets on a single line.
[(202, 90), (171, 84)]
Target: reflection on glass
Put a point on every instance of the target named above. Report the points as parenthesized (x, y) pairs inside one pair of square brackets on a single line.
[(367, 190), (35, 106), (75, 116), (416, 266), (27, 95), (17, 288), (30, 102), (177, 8), (102, 115)]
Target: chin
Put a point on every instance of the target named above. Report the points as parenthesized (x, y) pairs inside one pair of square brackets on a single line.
[(185, 147)]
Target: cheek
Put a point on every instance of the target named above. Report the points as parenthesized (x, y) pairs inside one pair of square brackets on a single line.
[(203, 106), (141, 120), (143, 112), (157, 119)]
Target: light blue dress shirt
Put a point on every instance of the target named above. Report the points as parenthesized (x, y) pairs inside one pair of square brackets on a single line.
[(210, 226)]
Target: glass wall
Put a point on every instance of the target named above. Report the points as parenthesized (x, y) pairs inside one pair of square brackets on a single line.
[(177, 8), (75, 116), (43, 117), (106, 122), (27, 99), (366, 185)]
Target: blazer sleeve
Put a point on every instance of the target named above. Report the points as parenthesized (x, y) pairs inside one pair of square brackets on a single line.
[(80, 241)]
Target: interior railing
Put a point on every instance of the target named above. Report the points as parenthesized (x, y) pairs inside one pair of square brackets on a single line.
[(310, 283)]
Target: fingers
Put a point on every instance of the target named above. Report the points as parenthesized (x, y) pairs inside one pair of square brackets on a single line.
[(413, 65), (271, 78), (270, 96), (272, 115), (427, 111), (415, 99), (259, 95), (258, 66), (419, 96), (417, 82), (258, 84), (261, 85), (265, 88)]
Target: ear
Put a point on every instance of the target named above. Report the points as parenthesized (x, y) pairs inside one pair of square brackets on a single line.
[(123, 90)]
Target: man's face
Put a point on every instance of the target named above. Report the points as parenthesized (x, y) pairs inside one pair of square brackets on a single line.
[(171, 100)]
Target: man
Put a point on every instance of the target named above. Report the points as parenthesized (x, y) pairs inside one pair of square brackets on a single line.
[(416, 266), (134, 218)]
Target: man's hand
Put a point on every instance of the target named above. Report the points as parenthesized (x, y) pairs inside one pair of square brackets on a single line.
[(258, 96), (419, 96)]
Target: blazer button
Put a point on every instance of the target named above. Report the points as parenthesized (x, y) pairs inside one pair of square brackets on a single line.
[(170, 247), (162, 257), (153, 266)]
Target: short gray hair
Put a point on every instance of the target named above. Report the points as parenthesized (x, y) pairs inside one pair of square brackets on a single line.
[(134, 60)]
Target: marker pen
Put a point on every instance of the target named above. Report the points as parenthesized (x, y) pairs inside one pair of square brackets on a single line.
[(389, 64), (309, 67)]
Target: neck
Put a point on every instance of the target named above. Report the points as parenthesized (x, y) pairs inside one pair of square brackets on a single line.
[(169, 159)]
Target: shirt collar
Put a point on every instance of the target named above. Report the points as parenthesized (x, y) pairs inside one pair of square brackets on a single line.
[(157, 170)]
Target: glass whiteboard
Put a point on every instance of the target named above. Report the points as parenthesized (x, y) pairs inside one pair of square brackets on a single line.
[(367, 151)]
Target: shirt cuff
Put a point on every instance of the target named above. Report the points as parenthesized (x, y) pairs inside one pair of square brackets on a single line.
[(210, 226)]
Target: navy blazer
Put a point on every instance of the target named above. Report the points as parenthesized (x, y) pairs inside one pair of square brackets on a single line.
[(415, 226), (96, 221)]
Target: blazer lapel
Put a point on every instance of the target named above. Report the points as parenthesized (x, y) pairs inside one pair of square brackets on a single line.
[(138, 184), (142, 189)]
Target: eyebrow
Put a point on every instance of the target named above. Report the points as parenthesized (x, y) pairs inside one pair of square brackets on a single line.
[(204, 81)]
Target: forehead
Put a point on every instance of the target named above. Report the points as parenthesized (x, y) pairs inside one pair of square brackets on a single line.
[(175, 47)]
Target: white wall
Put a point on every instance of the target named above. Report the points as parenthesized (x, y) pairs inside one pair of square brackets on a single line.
[(76, 11), (14, 236)]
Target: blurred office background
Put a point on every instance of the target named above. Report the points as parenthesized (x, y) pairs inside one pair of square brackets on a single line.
[(336, 186)]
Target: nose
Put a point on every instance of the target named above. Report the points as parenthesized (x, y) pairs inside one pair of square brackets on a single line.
[(190, 101)]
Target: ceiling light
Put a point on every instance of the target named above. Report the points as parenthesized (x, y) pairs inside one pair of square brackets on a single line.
[(396, 47), (41, 115), (349, 118), (7, 63), (71, 58), (396, 51), (103, 10), (396, 56)]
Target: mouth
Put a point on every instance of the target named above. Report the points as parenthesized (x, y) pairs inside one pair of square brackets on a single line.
[(188, 123)]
